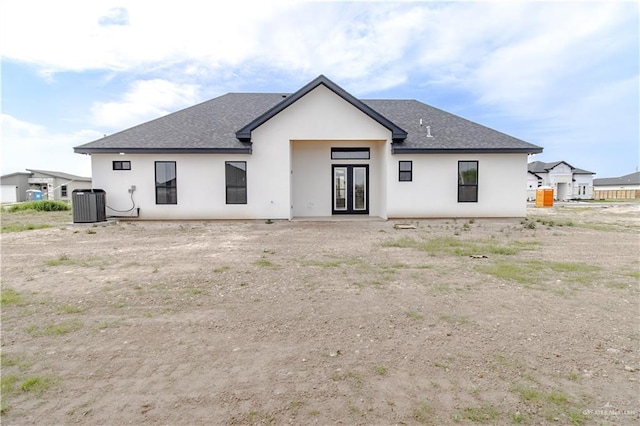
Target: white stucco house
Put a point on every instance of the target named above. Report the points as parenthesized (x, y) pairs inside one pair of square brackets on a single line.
[(52, 185), (568, 182), (318, 152)]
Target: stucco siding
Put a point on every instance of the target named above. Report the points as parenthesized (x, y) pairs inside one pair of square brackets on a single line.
[(312, 181), (294, 150), (201, 187), (433, 192)]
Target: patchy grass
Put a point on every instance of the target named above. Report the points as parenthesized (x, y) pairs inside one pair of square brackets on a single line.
[(263, 262), (62, 259), (542, 275), (19, 227), (423, 413), (13, 361), (70, 309), (41, 206), (414, 315), (8, 384), (454, 319), (554, 404), (56, 329), (482, 414), (355, 379), (463, 247), (11, 297), (37, 385), (380, 370), (335, 263)]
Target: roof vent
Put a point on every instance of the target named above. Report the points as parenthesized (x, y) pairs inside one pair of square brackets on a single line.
[(428, 131)]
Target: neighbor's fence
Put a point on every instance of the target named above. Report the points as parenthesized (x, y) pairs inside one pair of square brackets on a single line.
[(616, 194)]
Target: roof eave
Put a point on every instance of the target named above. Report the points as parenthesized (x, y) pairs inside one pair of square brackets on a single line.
[(81, 150), (405, 150)]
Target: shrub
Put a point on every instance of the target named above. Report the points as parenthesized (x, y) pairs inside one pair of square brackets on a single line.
[(43, 206)]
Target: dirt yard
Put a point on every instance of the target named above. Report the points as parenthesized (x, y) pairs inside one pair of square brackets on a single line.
[(365, 322)]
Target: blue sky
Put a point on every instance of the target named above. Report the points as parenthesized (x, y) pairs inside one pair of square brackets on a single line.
[(562, 75)]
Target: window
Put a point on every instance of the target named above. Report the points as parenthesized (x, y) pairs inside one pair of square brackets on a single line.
[(406, 171), (122, 165), (63, 191), (166, 183), (467, 181), (350, 153), (236, 178)]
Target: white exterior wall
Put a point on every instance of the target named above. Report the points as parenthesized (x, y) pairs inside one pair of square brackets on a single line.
[(289, 173), (9, 193), (434, 189), (585, 181), (294, 149), (200, 182), (560, 179)]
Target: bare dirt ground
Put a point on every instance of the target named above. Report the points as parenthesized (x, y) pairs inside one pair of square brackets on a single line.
[(498, 321)]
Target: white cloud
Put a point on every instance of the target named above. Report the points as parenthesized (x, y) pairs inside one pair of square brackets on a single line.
[(77, 35), (564, 42), (146, 100), (30, 146)]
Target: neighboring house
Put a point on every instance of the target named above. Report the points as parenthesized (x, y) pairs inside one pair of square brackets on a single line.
[(54, 185), (623, 187), (317, 152), (568, 182)]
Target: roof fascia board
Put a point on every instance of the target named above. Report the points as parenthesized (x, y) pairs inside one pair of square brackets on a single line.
[(396, 150), (244, 134), (80, 150), (558, 163)]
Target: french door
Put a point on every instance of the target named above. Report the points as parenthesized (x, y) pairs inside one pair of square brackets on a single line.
[(350, 189)]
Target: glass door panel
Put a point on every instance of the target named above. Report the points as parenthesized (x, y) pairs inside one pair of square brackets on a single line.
[(359, 188), (340, 188)]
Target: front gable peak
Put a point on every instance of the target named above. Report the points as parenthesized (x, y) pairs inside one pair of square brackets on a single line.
[(244, 134)]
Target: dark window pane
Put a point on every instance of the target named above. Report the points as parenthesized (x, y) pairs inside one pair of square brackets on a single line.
[(406, 172), (468, 173), (166, 183), (236, 182), (468, 193), (405, 176), (468, 181), (350, 153)]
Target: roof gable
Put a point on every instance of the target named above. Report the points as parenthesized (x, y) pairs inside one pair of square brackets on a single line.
[(59, 175), (244, 134), (542, 167)]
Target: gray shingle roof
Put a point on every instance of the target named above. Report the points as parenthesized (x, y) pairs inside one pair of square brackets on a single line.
[(630, 179), (448, 131), (542, 167), (212, 126), (208, 126), (61, 175)]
